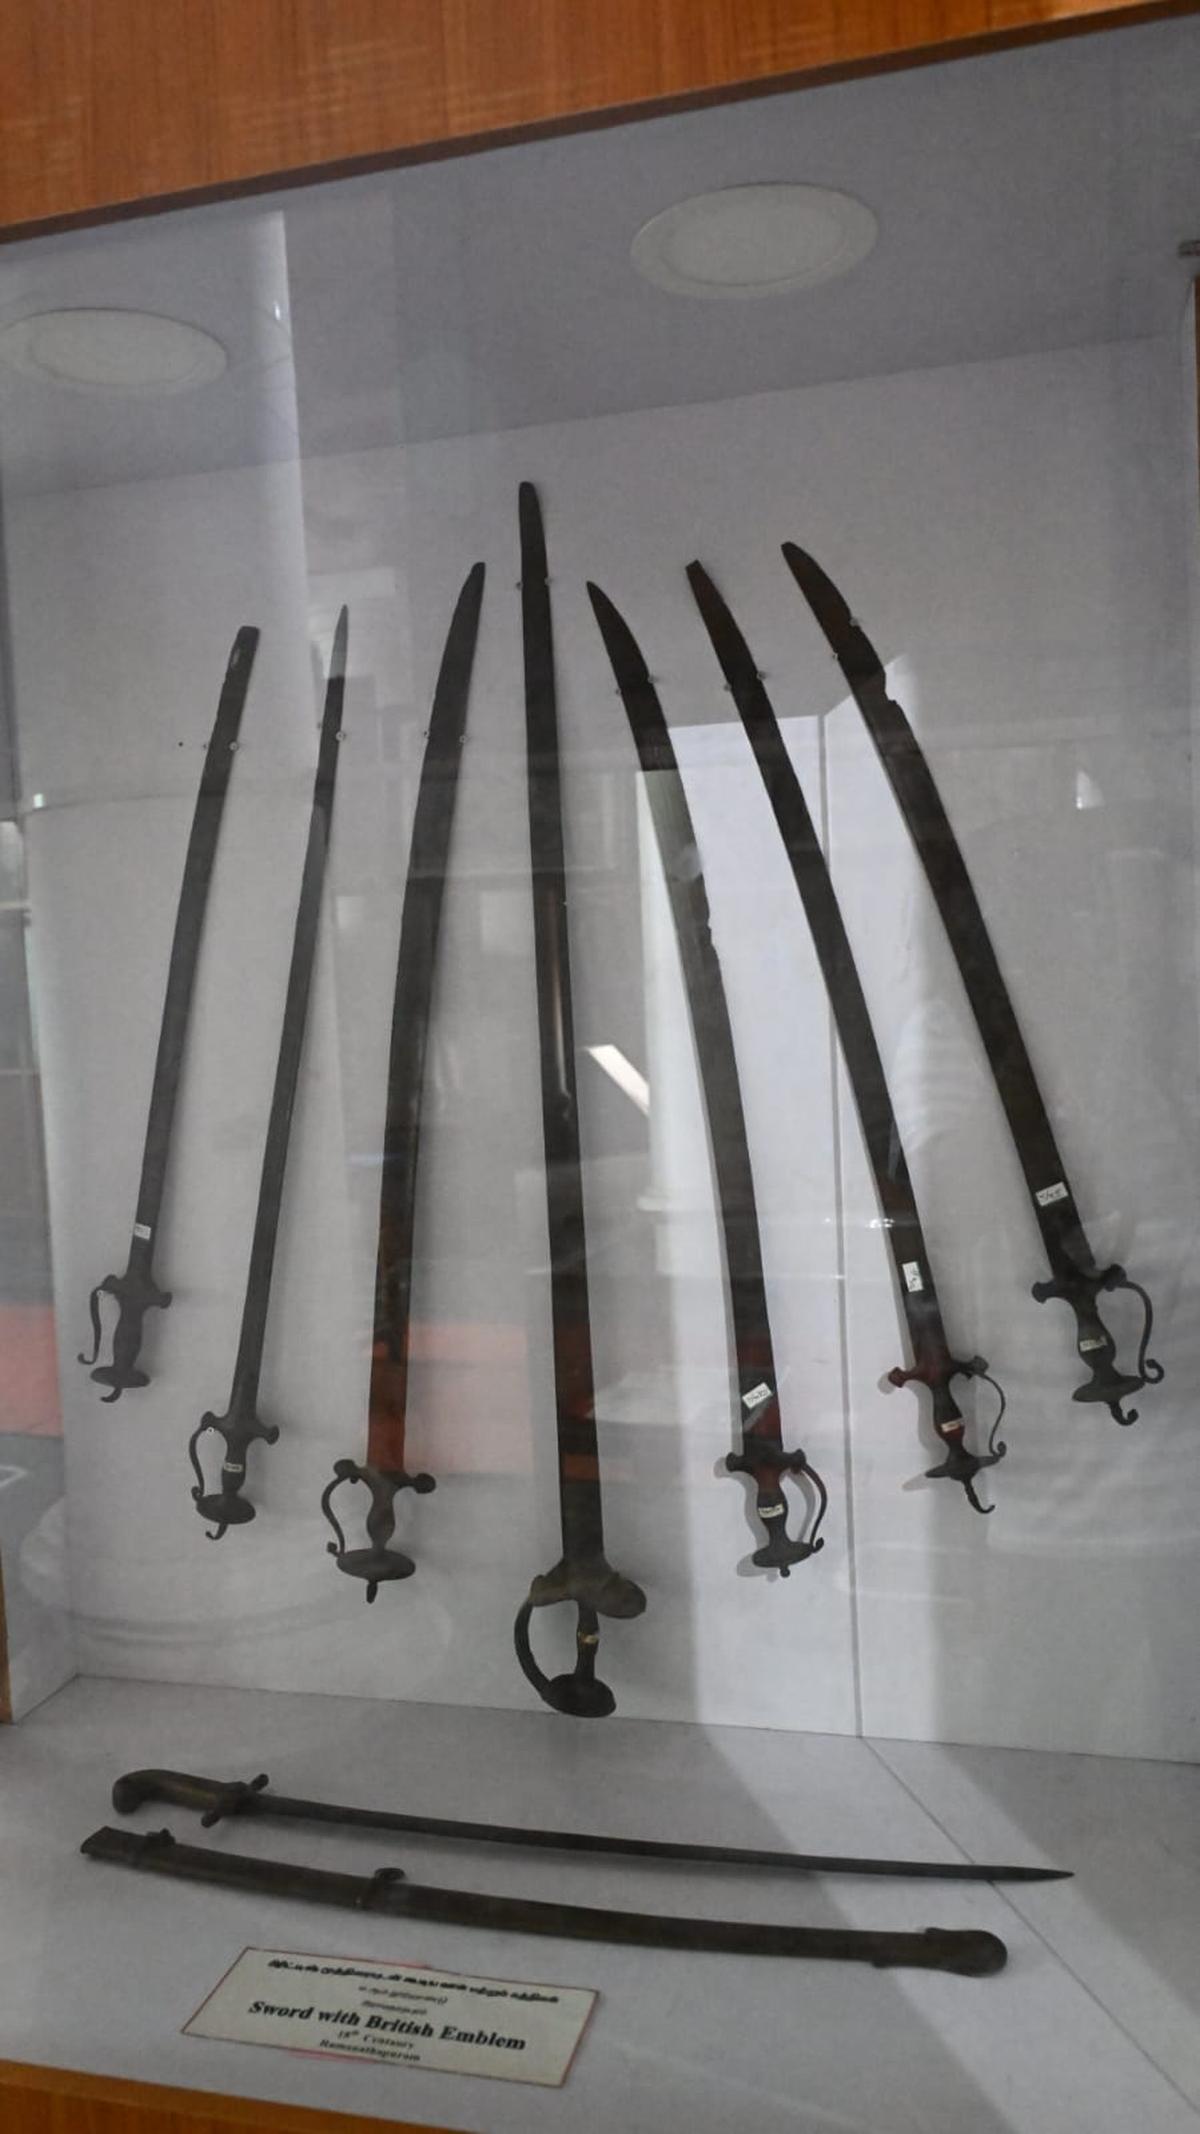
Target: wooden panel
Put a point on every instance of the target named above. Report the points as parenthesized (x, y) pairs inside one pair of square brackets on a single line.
[(106, 103), (40, 2100)]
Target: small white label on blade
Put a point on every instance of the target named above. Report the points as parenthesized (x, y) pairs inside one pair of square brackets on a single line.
[(1049, 1194), (407, 2014), (142, 1230), (756, 1396), (1094, 1341), (912, 1275)]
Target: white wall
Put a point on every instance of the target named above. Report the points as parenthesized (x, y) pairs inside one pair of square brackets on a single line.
[(1009, 534)]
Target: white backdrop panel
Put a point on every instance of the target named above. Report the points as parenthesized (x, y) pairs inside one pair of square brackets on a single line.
[(1005, 530)]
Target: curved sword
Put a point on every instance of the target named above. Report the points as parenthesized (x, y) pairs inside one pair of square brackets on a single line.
[(762, 1455), (582, 1574), (934, 1363), (241, 1425), (215, 1799), (1075, 1276), (384, 1473), (136, 1291)]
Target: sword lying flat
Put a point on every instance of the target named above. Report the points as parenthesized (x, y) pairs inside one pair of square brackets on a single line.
[(214, 1799), (969, 1952), (1076, 1277)]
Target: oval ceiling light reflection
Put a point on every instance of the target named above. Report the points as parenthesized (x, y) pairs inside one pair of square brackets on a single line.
[(101, 351), (754, 240)]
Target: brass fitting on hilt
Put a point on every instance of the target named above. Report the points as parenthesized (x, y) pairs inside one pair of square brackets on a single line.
[(596, 1590)]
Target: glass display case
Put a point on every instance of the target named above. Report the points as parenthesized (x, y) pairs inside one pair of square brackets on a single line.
[(598, 1121)]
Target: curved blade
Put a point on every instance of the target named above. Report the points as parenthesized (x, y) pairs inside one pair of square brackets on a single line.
[(214, 1799), (420, 925), (929, 826)]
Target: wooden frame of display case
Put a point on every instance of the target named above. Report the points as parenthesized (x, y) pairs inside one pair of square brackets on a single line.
[(115, 107)]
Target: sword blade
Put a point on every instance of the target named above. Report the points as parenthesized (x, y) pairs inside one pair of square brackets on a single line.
[(420, 924), (215, 1799), (708, 1008), (291, 1037), (970, 1952), (575, 1394), (864, 1066), (921, 806), (189, 926)]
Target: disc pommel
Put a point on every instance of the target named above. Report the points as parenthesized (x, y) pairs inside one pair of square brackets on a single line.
[(595, 1589)]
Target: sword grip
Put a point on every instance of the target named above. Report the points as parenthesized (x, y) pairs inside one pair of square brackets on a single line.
[(766, 1465), (210, 1798), (1106, 1385), (937, 1371), (136, 1293)]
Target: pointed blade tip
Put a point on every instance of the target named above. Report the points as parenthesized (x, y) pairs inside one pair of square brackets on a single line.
[(470, 598)]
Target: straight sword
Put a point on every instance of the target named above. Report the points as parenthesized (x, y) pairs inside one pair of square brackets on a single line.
[(582, 1574)]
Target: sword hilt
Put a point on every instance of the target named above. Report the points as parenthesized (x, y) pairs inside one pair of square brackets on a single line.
[(378, 1564), (136, 1292), (239, 1427), (212, 1799), (1105, 1385), (596, 1590), (766, 1465), (937, 1372)]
